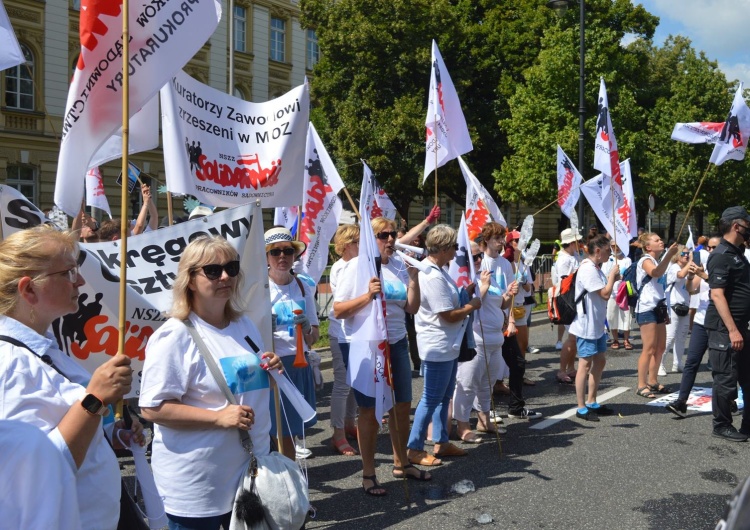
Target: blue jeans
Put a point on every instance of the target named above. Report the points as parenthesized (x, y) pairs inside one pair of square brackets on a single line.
[(696, 350), (439, 383), (199, 523)]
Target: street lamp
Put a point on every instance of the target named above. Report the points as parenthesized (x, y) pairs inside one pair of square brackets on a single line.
[(560, 7)]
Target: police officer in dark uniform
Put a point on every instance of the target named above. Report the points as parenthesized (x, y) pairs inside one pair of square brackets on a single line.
[(727, 320)]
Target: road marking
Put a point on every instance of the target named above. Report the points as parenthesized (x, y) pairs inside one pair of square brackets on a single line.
[(572, 412)]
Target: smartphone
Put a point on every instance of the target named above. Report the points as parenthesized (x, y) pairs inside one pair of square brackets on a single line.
[(697, 257)]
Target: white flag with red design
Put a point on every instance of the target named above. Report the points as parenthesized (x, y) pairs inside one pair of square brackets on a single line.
[(377, 200), (10, 50), (729, 137), (95, 195), (569, 181), (461, 268), (447, 135), (606, 156), (163, 38), (480, 207), (619, 226), (321, 206), (369, 359), (286, 216)]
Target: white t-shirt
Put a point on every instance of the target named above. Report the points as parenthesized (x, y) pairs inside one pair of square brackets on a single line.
[(676, 287), (284, 300), (489, 319), (523, 276), (703, 300), (622, 264), (437, 336), (335, 326), (34, 481), (197, 469), (653, 291), (34, 393), (590, 325), (566, 264)]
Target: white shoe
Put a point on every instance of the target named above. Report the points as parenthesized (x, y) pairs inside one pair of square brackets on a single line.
[(558, 346), (532, 350), (496, 417), (301, 452), (662, 370)]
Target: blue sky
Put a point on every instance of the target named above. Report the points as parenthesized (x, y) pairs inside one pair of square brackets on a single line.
[(718, 27)]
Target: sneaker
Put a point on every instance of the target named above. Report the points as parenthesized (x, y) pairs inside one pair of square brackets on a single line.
[(496, 417), (525, 414), (588, 416), (601, 410), (730, 434), (300, 451), (558, 345), (662, 370), (677, 407), (532, 350)]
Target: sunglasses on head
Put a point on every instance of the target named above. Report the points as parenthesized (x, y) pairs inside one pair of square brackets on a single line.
[(477, 257), (386, 235), (276, 252), (213, 271)]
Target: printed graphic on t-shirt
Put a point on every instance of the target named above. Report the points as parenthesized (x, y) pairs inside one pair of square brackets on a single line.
[(284, 311), (394, 290), (243, 373)]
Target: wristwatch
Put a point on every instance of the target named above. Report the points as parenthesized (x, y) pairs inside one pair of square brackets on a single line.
[(94, 406)]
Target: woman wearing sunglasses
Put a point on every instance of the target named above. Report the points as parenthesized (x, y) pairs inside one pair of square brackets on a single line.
[(678, 300), (400, 290), (290, 295), (44, 387), (198, 459)]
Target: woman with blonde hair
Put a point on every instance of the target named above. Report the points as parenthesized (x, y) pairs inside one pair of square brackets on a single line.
[(44, 387), (198, 459), (343, 404), (651, 312), (678, 301)]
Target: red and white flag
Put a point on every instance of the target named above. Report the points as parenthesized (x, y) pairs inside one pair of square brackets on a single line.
[(321, 206), (606, 156), (619, 226), (10, 50), (729, 137), (95, 195), (480, 207), (447, 134), (163, 38), (377, 200), (144, 135), (286, 216), (629, 205), (569, 181), (369, 357), (461, 268)]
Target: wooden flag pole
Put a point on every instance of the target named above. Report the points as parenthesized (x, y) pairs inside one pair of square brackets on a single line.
[(170, 212), (555, 201), (614, 218), (436, 164), (351, 203), (695, 197), (124, 229)]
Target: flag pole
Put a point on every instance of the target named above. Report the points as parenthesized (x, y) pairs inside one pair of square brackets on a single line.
[(436, 164), (124, 228), (170, 212), (489, 382), (351, 203), (614, 218), (692, 203), (555, 201)]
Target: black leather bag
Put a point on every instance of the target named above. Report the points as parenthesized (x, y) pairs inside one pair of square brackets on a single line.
[(681, 310), (466, 354)]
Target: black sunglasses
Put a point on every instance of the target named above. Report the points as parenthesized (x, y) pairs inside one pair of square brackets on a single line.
[(276, 252), (710, 247), (213, 271), (478, 256), (386, 235)]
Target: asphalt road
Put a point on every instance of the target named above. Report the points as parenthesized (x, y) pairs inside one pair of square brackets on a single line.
[(639, 469)]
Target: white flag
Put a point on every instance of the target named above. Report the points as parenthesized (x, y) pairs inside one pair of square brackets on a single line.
[(321, 206), (627, 211), (606, 156), (592, 190), (377, 200), (447, 134), (480, 207), (732, 141), (286, 216), (569, 181), (144, 135), (690, 245), (10, 50), (95, 195), (461, 268), (697, 132), (163, 37)]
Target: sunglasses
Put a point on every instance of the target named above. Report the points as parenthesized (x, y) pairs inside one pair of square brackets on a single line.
[(72, 274), (213, 271), (684, 254), (386, 235), (477, 257), (276, 252), (710, 247)]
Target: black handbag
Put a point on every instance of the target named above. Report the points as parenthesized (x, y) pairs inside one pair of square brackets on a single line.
[(131, 517), (681, 310), (465, 353)]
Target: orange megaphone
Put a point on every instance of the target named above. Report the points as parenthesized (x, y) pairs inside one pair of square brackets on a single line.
[(299, 359)]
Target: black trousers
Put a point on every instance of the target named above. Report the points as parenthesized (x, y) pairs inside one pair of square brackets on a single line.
[(728, 368), (411, 334), (517, 368)]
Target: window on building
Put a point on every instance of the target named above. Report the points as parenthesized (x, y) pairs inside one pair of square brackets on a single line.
[(313, 51), (278, 40), (22, 177), (238, 93), (19, 83), (240, 29)]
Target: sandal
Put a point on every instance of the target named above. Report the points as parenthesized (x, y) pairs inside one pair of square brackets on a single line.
[(422, 458), (351, 432), (659, 389), (615, 345), (471, 438), (646, 392), (375, 487), (448, 449), (627, 344), (565, 379), (343, 448), (401, 472)]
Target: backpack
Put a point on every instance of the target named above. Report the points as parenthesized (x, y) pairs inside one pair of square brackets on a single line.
[(562, 301), (629, 282)]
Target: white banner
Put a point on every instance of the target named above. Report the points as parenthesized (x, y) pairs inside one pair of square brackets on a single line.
[(321, 206), (447, 134), (226, 151), (95, 195), (569, 181), (480, 208), (163, 37), (10, 51), (592, 190)]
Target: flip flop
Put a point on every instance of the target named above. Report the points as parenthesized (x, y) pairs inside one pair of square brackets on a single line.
[(423, 458), (471, 438), (422, 475)]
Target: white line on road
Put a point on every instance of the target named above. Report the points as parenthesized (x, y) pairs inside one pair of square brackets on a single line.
[(572, 412)]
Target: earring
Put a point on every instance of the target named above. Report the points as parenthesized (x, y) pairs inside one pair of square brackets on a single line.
[(32, 316)]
